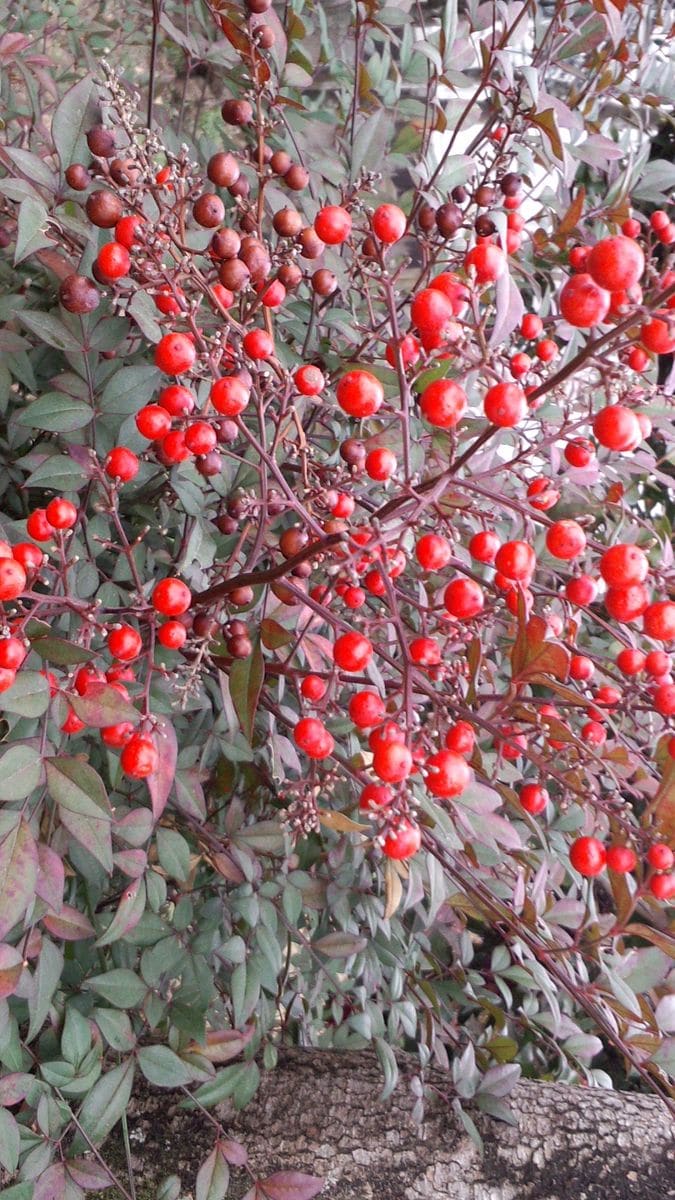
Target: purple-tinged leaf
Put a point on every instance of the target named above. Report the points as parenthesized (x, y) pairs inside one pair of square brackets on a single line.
[(129, 912), (11, 966), (213, 1176), (291, 1185), (509, 309), (160, 784), (135, 827), (131, 862), (89, 1174), (69, 925), (83, 805), (51, 877), (235, 1153), (18, 874), (51, 1184), (103, 705), (246, 680), (15, 1087)]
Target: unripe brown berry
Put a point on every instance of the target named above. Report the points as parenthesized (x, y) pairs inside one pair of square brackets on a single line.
[(240, 188), (227, 431), (369, 247), (240, 647), (311, 245), (280, 162), (124, 171), (234, 274), (248, 223), (237, 506), (78, 294), (5, 237), (511, 184), (287, 222), (208, 210), (296, 178), (284, 594), (324, 282), (302, 571), (204, 625), (353, 452), (255, 255), (226, 524), (78, 177), (448, 220), (265, 36), (225, 243), (459, 194), (290, 275), (237, 112), (258, 6), (209, 464), (236, 628), (103, 208), (484, 225), (223, 169), (267, 153), (426, 217), (101, 141), (241, 596), (275, 502), (484, 196), (292, 540)]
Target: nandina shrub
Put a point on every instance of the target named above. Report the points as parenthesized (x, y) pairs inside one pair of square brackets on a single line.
[(336, 577)]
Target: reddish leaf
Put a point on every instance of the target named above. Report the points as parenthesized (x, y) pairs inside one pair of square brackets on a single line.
[(274, 635), (234, 1152), (160, 784), (222, 1045), (70, 925), (88, 1174), (11, 966), (18, 874), (51, 1184), (291, 1185), (51, 877), (15, 1087), (129, 912), (663, 804), (103, 705)]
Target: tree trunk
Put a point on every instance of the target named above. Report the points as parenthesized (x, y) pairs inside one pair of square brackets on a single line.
[(319, 1112)]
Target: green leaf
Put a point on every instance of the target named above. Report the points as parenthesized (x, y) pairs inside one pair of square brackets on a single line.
[(83, 805), (223, 1086), (246, 680), (45, 982), (31, 225), (162, 1067), (76, 1036), (56, 413), (116, 1028), (370, 142), (129, 388), (10, 1141), (58, 651), (129, 912), (20, 772), (18, 873), (59, 473), (49, 329), (28, 696), (174, 854), (73, 116), (120, 987), (105, 1104)]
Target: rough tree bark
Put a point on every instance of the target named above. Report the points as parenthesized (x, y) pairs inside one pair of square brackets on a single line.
[(319, 1112)]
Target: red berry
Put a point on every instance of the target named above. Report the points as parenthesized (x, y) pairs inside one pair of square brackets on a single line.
[(454, 289), (616, 263), (61, 514), (72, 723), (125, 643), (487, 261), (630, 661), (625, 604), (309, 380), (657, 335), (431, 312), (121, 463), (171, 597), (258, 344), (333, 224), (621, 859), (505, 405), (631, 228), (433, 552), (359, 394), (366, 709), (464, 598), (546, 350), (565, 540), (352, 651), (484, 545), (579, 452), (404, 841), (461, 738), (113, 261), (533, 798), (30, 556), (7, 679), (38, 527), (531, 326), (659, 621), (380, 464), (229, 396), (172, 635), (581, 591), (617, 428), (375, 796), (637, 358), (128, 230), (662, 887), (177, 400), (175, 353), (516, 560), (392, 762), (443, 403), (588, 856), (663, 699), (12, 579), (425, 652), (153, 421), (200, 437), (12, 653), (173, 448), (117, 735), (581, 668), (623, 564), (139, 758), (582, 303), (409, 348), (660, 856), (313, 687), (658, 663), (449, 774), (311, 735), (389, 223)]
